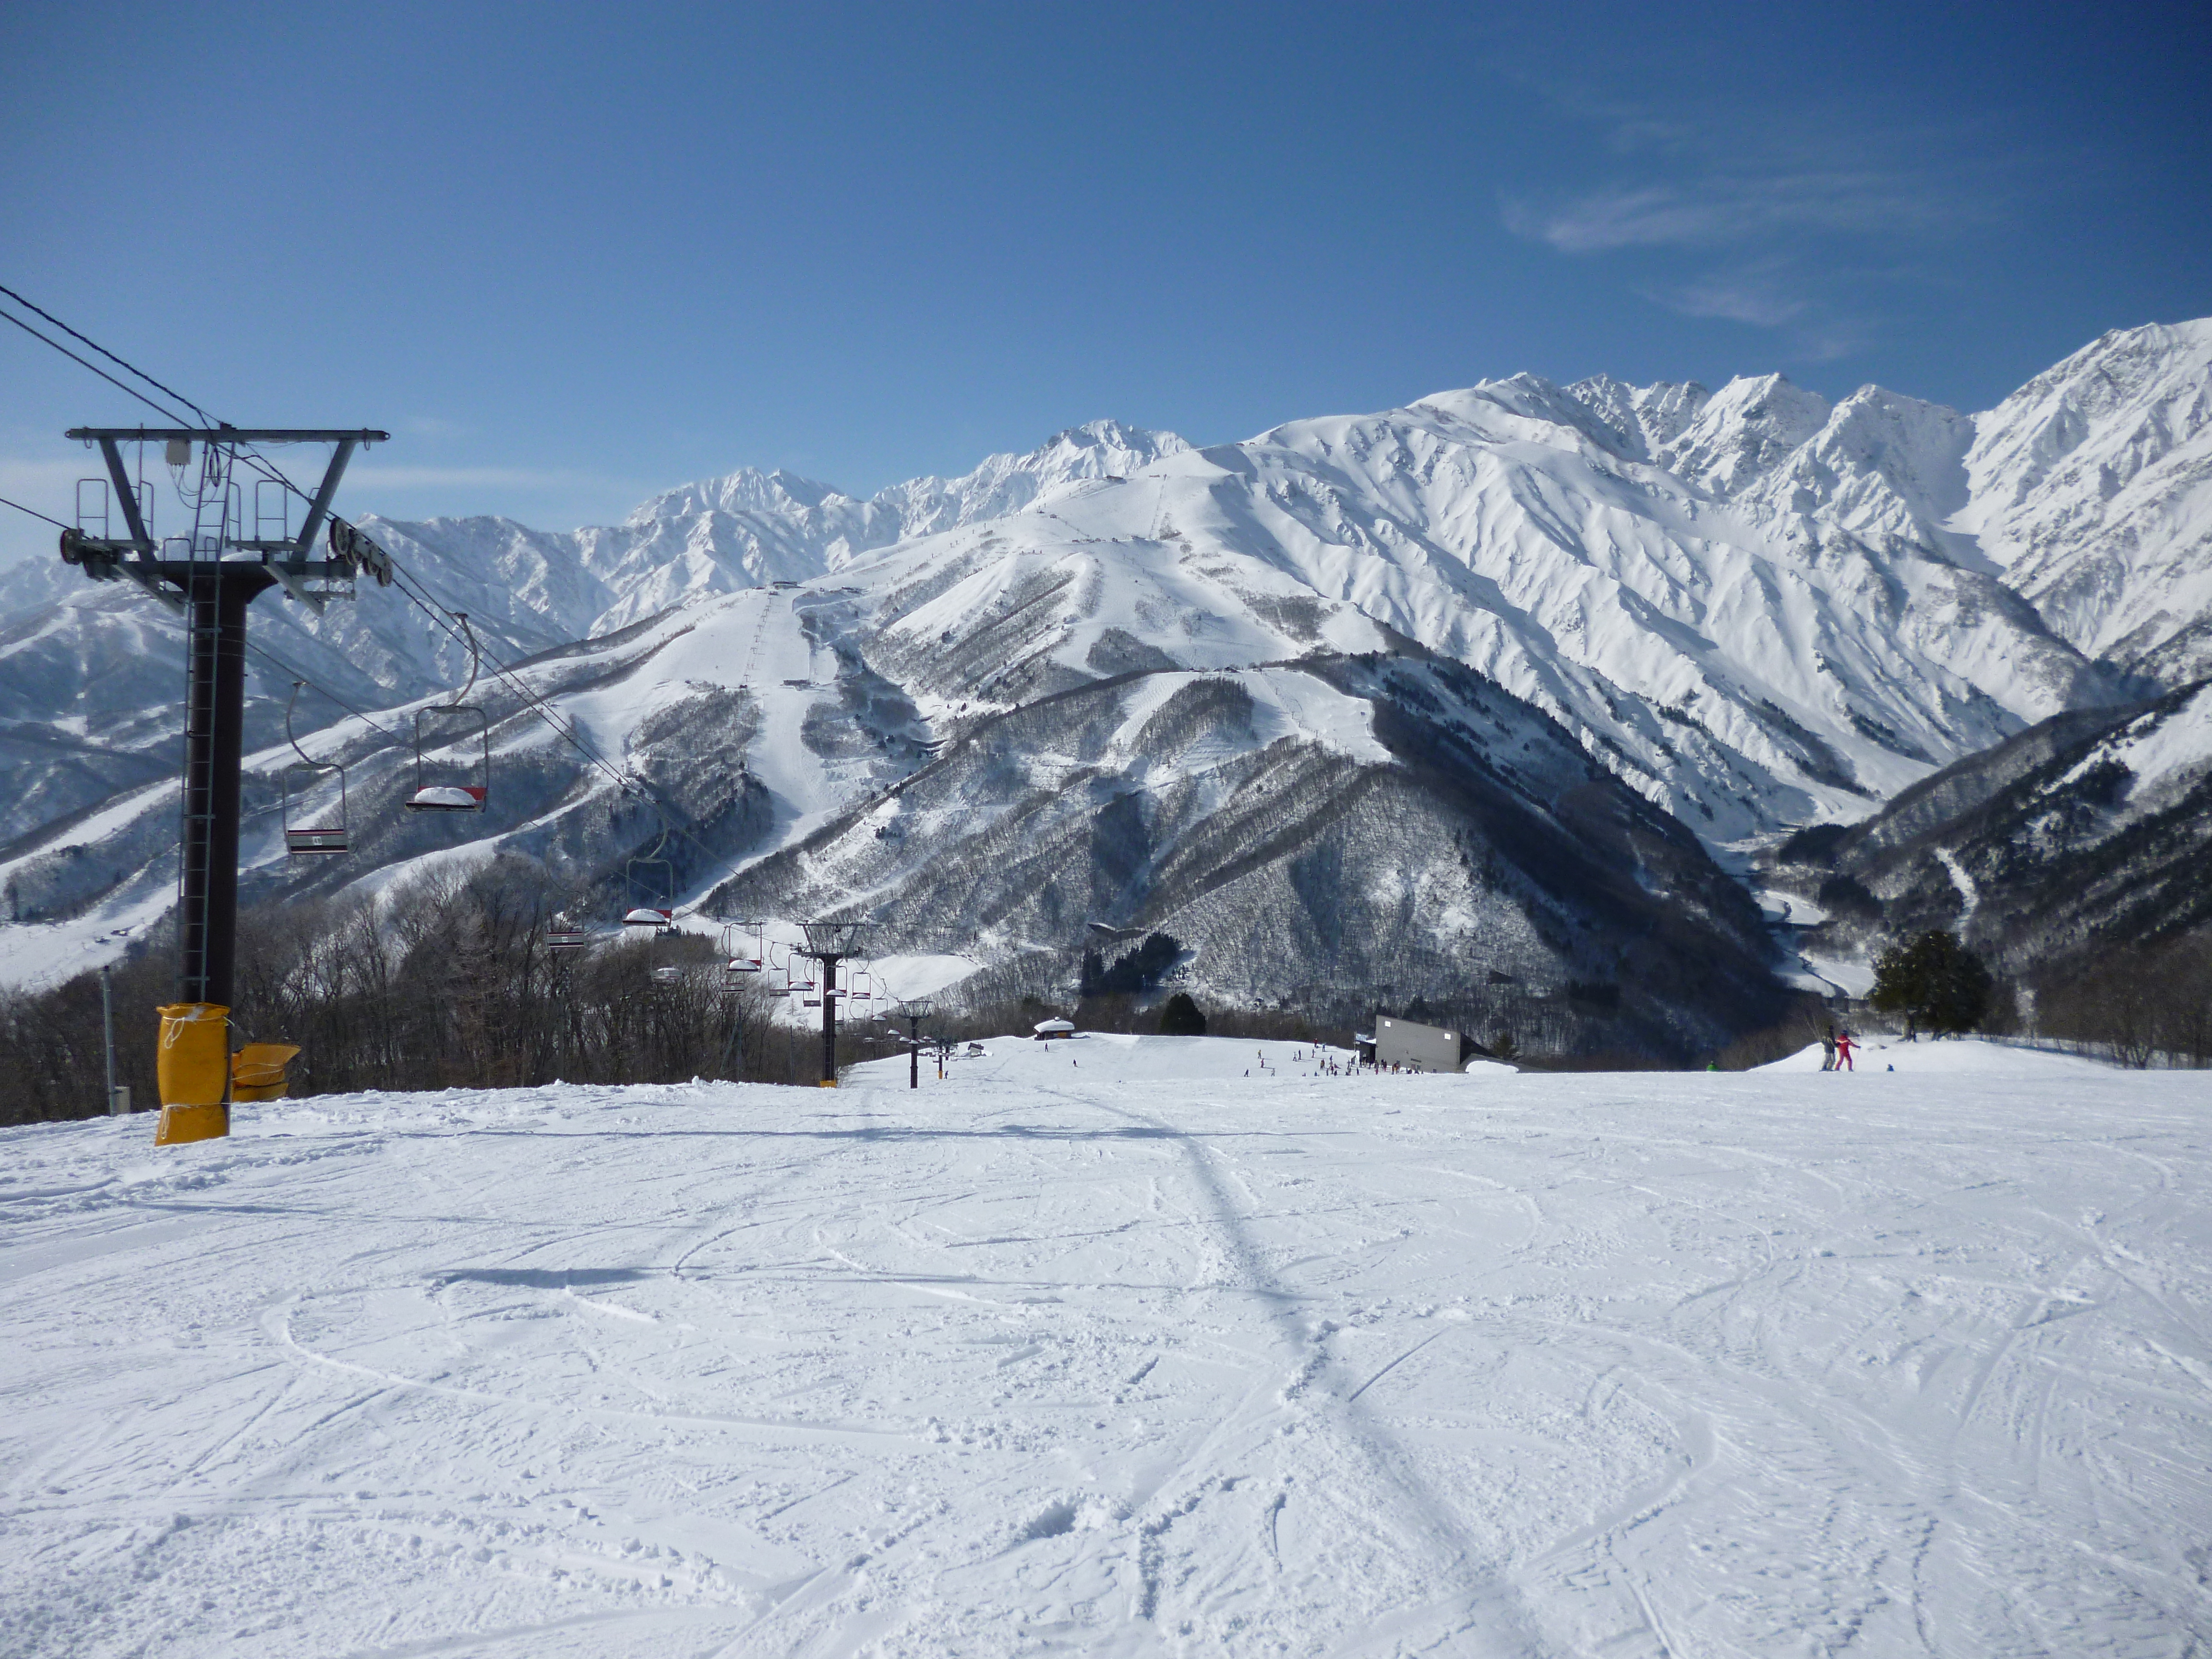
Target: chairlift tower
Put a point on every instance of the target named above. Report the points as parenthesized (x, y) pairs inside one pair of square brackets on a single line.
[(830, 942), (913, 1011), (211, 575)]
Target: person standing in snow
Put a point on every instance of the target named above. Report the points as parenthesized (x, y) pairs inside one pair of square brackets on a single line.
[(1844, 1050), (1828, 1050)]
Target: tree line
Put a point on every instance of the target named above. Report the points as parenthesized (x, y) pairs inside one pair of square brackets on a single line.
[(448, 980)]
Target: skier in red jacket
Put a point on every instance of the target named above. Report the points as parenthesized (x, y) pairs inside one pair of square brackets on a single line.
[(1843, 1046)]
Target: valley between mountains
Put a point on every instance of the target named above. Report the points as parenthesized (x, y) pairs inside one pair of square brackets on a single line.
[(1516, 685)]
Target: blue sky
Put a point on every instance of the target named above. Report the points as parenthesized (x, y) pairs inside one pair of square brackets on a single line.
[(570, 255)]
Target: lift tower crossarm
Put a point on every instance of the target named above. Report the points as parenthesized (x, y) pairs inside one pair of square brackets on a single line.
[(288, 559), (347, 439), (226, 435)]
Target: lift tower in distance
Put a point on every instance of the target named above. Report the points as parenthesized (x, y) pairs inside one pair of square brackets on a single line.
[(212, 576), (830, 942), (913, 1011)]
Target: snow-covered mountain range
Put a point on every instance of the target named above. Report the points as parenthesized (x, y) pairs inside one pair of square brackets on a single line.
[(1748, 608)]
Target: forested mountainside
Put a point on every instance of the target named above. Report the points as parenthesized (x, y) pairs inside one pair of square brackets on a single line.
[(2091, 830)]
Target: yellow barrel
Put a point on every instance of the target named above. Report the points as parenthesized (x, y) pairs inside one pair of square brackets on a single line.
[(257, 1071), (193, 1072)]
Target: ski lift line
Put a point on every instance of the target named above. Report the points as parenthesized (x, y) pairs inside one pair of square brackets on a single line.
[(260, 462), (418, 594), (277, 475), (132, 367), (412, 589)]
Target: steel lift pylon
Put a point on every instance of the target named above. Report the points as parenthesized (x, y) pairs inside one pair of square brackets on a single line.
[(212, 576)]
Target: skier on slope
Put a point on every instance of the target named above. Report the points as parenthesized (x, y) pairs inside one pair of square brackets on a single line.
[(1828, 1050), (1844, 1050)]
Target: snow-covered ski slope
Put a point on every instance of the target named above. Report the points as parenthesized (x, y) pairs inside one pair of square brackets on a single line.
[(1106, 1347)]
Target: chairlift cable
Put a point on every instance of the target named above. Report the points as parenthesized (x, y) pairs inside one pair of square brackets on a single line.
[(109, 356), (32, 511), (163, 619), (132, 391)]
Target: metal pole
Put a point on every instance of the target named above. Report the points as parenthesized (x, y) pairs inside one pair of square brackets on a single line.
[(107, 1022), (913, 1051), (829, 1021), (213, 716)]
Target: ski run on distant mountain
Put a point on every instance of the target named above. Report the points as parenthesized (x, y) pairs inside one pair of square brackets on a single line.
[(1401, 697)]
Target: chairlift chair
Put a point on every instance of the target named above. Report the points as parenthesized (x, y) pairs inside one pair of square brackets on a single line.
[(565, 935), (792, 982), (651, 882), (300, 778), (736, 964), (450, 726)]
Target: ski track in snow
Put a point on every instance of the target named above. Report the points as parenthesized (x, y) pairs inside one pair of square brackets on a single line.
[(1104, 1348)]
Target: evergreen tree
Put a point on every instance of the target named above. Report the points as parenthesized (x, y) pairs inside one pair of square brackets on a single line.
[(1181, 1017), (1934, 982)]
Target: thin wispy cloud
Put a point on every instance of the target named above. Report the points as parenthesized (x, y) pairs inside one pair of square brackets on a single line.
[(1720, 211), (1771, 208), (1753, 296), (1758, 298)]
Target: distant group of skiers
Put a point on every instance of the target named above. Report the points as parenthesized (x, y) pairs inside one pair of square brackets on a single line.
[(1326, 1065), (1836, 1051)]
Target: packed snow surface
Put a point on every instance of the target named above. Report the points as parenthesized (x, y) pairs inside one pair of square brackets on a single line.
[(1105, 1347)]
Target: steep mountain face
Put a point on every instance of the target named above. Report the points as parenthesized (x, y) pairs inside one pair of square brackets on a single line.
[(2091, 488), (1316, 833), (2094, 825)]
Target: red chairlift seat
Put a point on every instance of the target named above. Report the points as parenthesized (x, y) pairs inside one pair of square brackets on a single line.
[(645, 916)]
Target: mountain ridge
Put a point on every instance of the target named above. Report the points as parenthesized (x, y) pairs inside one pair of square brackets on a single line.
[(1751, 608)]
